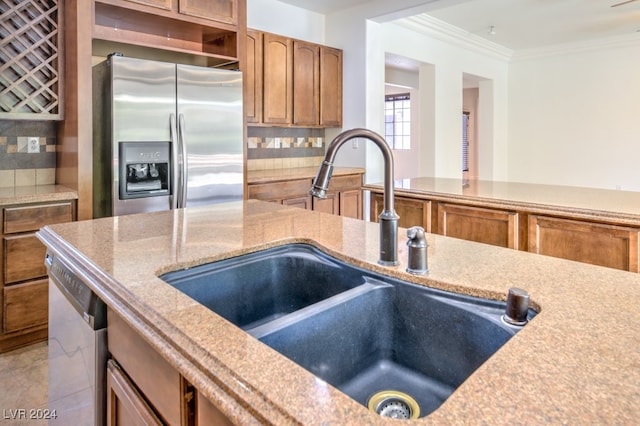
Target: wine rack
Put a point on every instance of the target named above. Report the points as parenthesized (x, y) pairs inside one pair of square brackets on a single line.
[(30, 59)]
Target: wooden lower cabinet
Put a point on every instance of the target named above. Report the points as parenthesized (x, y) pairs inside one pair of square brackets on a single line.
[(595, 243), (24, 294), (344, 196), (412, 212), (143, 388), (495, 227), (125, 405), (589, 241), (331, 204), (25, 306)]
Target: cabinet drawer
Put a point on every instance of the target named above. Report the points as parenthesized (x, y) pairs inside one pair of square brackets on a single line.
[(25, 305), (280, 190), (23, 258), (339, 183), (32, 218)]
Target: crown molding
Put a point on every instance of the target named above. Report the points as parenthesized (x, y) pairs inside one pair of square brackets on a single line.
[(629, 40), (440, 30)]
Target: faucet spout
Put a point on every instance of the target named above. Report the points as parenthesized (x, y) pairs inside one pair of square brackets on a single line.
[(388, 218)]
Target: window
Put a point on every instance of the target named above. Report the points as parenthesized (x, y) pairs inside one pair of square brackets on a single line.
[(465, 141), (397, 121)]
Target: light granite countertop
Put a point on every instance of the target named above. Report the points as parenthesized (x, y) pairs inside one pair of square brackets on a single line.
[(578, 202), (277, 175), (576, 362), (35, 194)]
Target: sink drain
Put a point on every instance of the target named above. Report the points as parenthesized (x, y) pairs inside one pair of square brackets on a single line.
[(394, 404)]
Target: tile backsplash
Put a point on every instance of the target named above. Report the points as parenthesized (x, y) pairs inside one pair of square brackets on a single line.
[(27, 152), (284, 148)]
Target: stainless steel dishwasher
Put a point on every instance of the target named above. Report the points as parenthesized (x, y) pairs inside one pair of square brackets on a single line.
[(77, 348)]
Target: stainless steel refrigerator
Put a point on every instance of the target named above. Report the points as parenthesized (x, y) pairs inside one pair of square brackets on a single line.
[(165, 136)]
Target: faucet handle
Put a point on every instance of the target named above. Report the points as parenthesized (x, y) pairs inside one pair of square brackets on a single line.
[(417, 263)]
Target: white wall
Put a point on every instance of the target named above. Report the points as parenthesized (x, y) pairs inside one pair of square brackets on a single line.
[(282, 18), (450, 62), (574, 118)]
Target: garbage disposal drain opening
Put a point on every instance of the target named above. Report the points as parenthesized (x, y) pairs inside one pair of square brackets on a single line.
[(394, 404)]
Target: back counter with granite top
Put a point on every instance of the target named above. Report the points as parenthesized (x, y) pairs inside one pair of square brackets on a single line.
[(576, 362), (595, 226), (23, 277)]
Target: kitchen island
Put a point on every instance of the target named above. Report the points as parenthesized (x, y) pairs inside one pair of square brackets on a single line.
[(596, 226), (577, 361)]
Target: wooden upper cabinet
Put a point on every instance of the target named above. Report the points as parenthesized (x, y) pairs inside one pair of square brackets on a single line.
[(277, 78), (330, 87), (162, 4), (253, 77), (306, 83), (291, 82), (217, 10)]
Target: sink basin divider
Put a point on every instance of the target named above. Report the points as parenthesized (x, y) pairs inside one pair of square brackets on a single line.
[(280, 323)]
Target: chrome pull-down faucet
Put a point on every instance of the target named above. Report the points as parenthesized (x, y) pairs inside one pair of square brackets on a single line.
[(388, 218)]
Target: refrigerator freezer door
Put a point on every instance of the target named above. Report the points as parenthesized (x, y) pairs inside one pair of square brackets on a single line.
[(210, 121), (144, 97)]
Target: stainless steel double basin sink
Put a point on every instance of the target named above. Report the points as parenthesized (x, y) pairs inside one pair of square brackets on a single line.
[(398, 348)]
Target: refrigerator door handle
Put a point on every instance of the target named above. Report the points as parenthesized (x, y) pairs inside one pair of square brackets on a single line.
[(182, 145), (175, 163)]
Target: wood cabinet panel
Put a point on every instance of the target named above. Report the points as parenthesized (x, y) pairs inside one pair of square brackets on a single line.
[(304, 202), (598, 244), (331, 204), (125, 405), (216, 10), (277, 79), (162, 4), (25, 305), (306, 84), (279, 190), (160, 383), (351, 203), (253, 77), (412, 212), (32, 218), (496, 227), (330, 87), (23, 258), (208, 414)]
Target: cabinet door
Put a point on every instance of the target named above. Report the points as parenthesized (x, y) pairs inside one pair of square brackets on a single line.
[(412, 212), (300, 202), (306, 84), (496, 227), (162, 4), (253, 77), (331, 204), (277, 79), (351, 203), (595, 243), (23, 258), (217, 10), (125, 405), (330, 87), (25, 305)]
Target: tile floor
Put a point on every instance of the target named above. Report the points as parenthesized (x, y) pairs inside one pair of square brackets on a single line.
[(23, 384)]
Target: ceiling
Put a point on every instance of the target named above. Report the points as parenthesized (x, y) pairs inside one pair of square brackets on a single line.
[(520, 24)]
